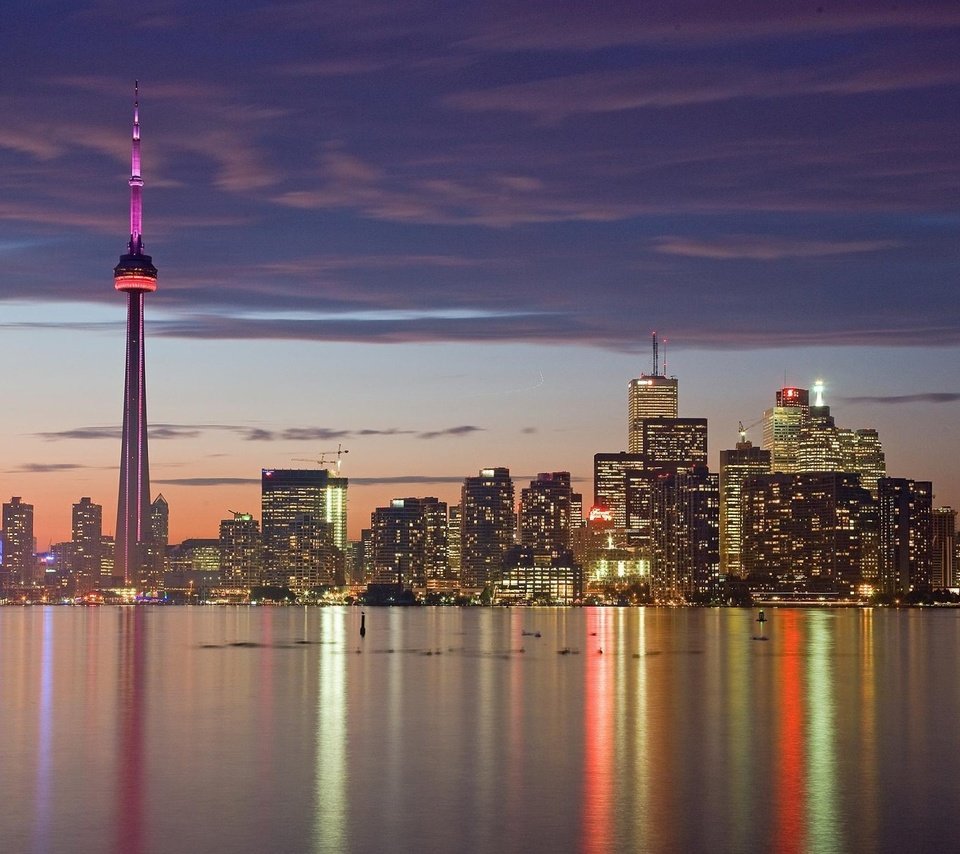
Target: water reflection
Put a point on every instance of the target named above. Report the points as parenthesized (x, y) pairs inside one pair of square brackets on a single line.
[(42, 791), (598, 737), (131, 707), (330, 742)]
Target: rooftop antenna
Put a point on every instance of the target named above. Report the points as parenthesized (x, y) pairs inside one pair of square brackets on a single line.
[(656, 356), (665, 357)]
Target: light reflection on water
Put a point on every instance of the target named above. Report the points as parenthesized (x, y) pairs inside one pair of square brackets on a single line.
[(235, 729)]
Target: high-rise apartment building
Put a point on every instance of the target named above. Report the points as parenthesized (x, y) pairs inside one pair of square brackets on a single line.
[(304, 526), (736, 466), (241, 564), (410, 542), (686, 532), (808, 525), (906, 534), (155, 543), (487, 525), (87, 537), (943, 556), (546, 513), (453, 542), (19, 566)]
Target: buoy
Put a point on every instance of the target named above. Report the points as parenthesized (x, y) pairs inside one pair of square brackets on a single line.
[(363, 627)]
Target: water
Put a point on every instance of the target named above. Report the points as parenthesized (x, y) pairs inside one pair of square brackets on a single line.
[(278, 729)]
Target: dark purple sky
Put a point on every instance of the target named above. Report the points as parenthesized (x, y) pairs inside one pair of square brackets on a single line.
[(522, 190)]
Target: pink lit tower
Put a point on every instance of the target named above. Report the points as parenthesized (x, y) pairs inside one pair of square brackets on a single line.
[(135, 276)]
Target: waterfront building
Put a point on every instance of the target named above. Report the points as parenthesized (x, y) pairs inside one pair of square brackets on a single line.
[(410, 543), (686, 532), (487, 525), (87, 545), (241, 565), (19, 566), (453, 542), (527, 577), (155, 544), (135, 275), (811, 525), (906, 534), (744, 461), (304, 527), (943, 555), (546, 513)]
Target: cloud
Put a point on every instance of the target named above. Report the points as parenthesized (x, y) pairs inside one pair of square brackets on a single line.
[(893, 399), (43, 468), (205, 481), (684, 85), (764, 248), (113, 433), (462, 430)]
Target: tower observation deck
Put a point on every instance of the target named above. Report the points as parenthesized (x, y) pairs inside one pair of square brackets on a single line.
[(134, 275)]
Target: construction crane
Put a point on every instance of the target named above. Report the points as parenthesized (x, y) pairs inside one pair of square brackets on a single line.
[(325, 458), (743, 430)]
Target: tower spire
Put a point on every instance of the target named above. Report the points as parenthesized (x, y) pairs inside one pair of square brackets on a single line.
[(656, 357), (135, 276), (136, 182)]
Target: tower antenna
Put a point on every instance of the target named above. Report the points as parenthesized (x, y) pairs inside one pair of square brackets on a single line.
[(665, 357), (656, 356)]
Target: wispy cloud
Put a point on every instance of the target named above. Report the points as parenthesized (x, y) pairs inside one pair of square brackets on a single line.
[(764, 248), (462, 430), (44, 468)]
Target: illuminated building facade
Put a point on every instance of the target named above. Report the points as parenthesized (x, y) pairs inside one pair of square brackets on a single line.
[(546, 513), (869, 460), (809, 525), (943, 555), (673, 444), (304, 525), (906, 534), (453, 541), (135, 275), (736, 466), (528, 577), (649, 396), (241, 564), (686, 533), (87, 548), (782, 425), (610, 473), (155, 546), (19, 566), (410, 542), (487, 525)]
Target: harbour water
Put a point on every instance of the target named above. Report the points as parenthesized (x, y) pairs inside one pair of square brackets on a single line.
[(215, 729)]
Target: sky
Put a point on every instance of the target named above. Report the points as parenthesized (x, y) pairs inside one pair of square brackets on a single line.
[(441, 235)]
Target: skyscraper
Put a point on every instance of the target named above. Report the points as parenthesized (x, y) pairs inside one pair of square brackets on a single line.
[(943, 560), (304, 523), (135, 276), (781, 427), (649, 396), (546, 513), (736, 466), (18, 546), (487, 524), (87, 544), (410, 542), (240, 563), (906, 534)]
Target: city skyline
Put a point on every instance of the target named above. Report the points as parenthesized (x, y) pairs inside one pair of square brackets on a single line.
[(507, 204)]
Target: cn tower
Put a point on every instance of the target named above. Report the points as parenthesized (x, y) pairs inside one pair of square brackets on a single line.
[(135, 276)]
